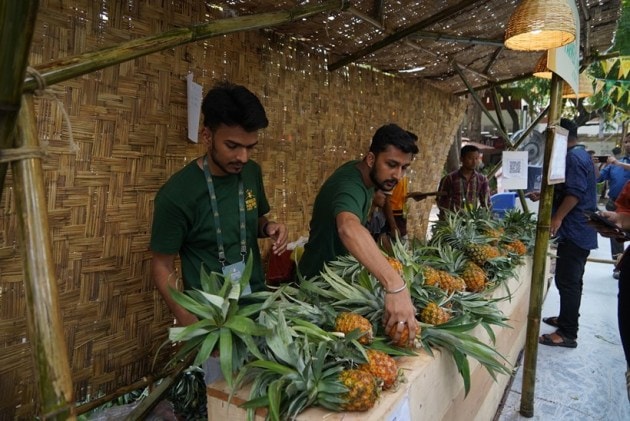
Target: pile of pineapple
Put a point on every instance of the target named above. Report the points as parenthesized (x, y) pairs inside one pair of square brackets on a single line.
[(322, 342)]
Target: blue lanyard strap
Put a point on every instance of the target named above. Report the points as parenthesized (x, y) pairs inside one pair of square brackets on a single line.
[(215, 213)]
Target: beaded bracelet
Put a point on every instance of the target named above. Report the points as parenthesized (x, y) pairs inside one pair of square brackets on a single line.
[(396, 291)]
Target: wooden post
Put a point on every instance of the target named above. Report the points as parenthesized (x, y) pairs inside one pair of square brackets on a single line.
[(45, 328), (17, 22), (540, 258)]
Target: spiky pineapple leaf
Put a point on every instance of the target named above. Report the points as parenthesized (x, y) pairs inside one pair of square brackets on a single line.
[(207, 346), (226, 357), (203, 311)]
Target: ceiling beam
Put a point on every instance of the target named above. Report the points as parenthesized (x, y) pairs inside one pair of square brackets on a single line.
[(437, 36), (397, 36), (379, 11)]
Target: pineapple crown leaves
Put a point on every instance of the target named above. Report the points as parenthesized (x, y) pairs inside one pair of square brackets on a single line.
[(288, 389), (222, 323), (463, 345)]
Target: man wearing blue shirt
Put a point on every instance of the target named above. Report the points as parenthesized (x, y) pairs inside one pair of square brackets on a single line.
[(575, 237), (617, 174)]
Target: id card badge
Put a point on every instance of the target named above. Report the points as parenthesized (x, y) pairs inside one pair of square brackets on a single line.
[(234, 272)]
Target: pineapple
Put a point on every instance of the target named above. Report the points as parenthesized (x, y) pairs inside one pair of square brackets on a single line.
[(517, 247), (431, 276), (451, 283), (481, 253), (474, 276), (362, 390), (433, 314), (395, 264), (347, 322), (450, 264), (403, 342), (381, 366)]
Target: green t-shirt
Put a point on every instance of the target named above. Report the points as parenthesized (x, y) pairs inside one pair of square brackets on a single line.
[(344, 191), (183, 222)]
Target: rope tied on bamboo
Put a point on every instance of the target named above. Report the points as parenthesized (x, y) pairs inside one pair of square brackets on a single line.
[(44, 91)]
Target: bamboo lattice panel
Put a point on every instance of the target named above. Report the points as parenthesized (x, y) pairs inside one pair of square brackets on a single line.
[(129, 122)]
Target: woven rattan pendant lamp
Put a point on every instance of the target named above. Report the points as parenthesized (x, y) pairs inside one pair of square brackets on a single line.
[(585, 88), (538, 25), (541, 70)]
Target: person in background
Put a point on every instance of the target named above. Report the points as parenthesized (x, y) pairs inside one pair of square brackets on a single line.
[(465, 187), (575, 237), (616, 173), (621, 217), (380, 220), (397, 205), (340, 212), (198, 211)]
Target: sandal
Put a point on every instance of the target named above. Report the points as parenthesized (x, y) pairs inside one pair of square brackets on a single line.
[(546, 339), (551, 321)]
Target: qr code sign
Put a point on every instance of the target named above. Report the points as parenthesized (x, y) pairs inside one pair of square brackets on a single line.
[(515, 167)]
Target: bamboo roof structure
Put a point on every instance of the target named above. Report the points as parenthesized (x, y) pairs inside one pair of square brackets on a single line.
[(403, 36)]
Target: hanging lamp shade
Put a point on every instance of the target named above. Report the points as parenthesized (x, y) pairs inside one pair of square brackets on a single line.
[(541, 70), (585, 88), (538, 25)]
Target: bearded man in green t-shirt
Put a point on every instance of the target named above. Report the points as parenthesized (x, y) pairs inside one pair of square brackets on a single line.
[(225, 180), (340, 212)]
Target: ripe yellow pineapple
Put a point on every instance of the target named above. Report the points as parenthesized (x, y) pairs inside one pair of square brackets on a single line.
[(451, 283), (395, 263), (403, 342), (474, 276), (431, 276), (381, 366), (481, 253), (347, 322), (435, 315), (362, 390), (516, 246)]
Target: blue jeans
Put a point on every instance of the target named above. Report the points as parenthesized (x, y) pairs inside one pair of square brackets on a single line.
[(569, 272)]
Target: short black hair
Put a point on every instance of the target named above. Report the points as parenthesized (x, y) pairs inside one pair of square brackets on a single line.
[(616, 150), (233, 105), (565, 123), (467, 149), (392, 134)]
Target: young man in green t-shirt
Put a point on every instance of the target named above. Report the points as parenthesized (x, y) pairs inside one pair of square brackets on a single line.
[(340, 212), (184, 222)]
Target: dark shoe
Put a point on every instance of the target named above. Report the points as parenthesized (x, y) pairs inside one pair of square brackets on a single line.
[(546, 339), (628, 383), (616, 274), (551, 321)]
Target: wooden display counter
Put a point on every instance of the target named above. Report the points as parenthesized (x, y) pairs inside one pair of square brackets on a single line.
[(434, 389)]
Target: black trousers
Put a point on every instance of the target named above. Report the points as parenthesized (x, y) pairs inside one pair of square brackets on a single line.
[(623, 305), (569, 273)]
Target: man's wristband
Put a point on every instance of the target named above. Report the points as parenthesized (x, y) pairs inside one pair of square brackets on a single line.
[(396, 291)]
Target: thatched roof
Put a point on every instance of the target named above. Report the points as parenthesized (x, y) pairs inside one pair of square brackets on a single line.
[(430, 34)]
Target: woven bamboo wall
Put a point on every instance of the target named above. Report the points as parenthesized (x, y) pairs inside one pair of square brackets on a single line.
[(129, 123)]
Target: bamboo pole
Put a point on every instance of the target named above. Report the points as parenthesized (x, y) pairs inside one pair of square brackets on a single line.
[(540, 258), (17, 23), (480, 103), (70, 67), (44, 322), (146, 405)]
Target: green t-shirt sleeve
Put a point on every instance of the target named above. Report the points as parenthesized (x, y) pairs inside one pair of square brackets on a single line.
[(352, 198), (169, 225)]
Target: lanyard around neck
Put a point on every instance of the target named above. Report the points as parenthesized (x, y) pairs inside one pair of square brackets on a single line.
[(215, 213)]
